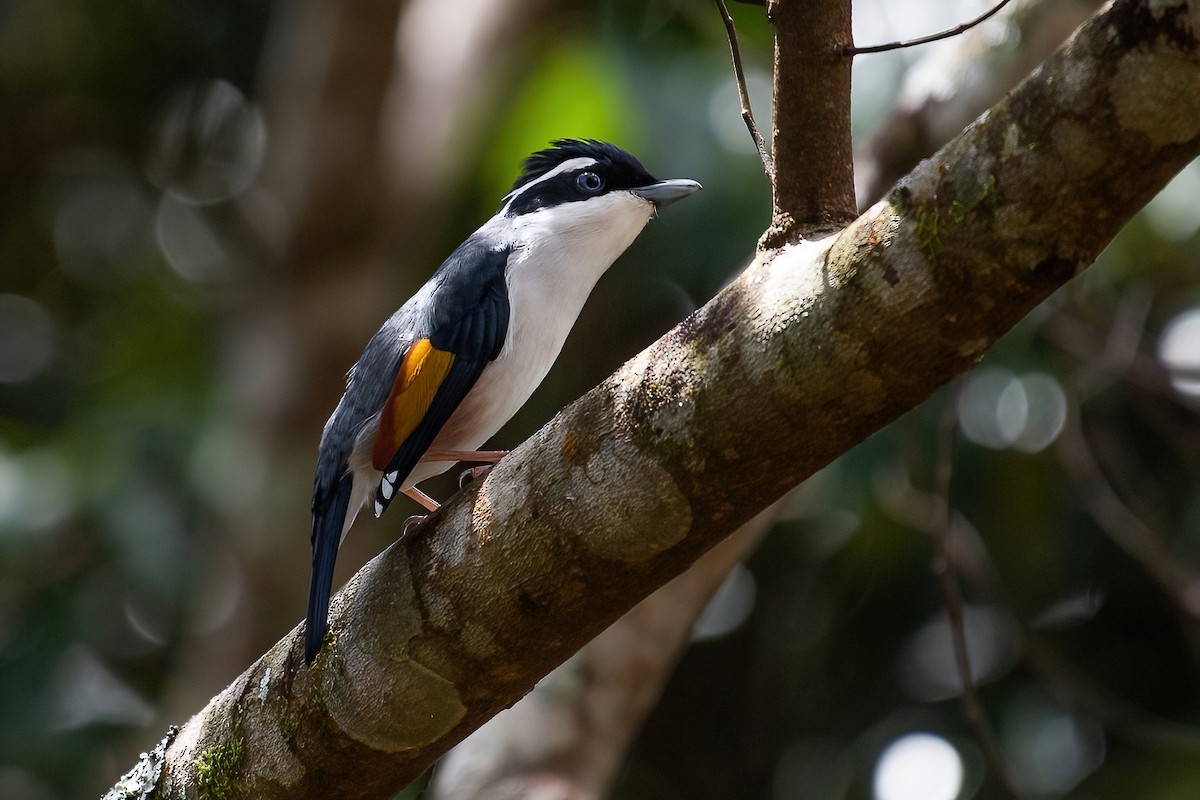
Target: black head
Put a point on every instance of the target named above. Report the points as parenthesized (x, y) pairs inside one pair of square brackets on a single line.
[(573, 170)]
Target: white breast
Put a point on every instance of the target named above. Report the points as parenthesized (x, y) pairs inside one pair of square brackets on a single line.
[(562, 252)]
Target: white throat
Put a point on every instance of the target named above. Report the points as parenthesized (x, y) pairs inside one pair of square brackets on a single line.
[(559, 254), (565, 249)]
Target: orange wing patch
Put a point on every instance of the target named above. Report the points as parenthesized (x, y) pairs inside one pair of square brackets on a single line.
[(421, 373)]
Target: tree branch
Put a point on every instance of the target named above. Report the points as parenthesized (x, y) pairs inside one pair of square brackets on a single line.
[(568, 737), (815, 346), (812, 120)]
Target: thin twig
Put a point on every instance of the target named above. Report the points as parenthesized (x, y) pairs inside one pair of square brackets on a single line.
[(943, 568), (1119, 356), (1073, 335), (851, 50), (744, 95), (1139, 539)]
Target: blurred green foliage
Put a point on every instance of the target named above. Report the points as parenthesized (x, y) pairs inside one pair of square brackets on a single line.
[(546, 108), (134, 450)]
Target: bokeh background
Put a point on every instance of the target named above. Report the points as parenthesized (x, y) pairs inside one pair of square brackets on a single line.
[(206, 209)]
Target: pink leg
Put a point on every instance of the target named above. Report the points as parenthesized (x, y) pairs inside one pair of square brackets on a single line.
[(427, 502), (485, 456)]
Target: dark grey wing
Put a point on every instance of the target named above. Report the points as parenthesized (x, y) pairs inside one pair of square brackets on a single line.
[(456, 324), (468, 322)]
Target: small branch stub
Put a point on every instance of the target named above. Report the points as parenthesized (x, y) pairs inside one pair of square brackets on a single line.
[(813, 187)]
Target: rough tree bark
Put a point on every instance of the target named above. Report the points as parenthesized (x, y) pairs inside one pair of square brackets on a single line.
[(567, 738), (816, 345)]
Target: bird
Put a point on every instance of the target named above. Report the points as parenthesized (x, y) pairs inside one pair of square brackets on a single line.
[(463, 354)]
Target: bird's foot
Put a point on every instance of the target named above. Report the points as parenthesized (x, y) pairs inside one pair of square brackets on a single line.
[(412, 522), (469, 476)]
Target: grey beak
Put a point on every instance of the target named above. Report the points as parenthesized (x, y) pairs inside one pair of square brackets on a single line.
[(664, 193)]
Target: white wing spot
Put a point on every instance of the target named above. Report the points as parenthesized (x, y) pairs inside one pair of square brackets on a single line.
[(392, 476), (378, 509), (387, 488)]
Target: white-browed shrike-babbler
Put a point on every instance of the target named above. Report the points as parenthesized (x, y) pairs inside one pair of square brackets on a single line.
[(456, 361)]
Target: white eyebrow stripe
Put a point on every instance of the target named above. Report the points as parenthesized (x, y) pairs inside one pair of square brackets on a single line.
[(567, 166)]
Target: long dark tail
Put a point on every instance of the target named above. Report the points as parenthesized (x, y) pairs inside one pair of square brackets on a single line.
[(329, 515)]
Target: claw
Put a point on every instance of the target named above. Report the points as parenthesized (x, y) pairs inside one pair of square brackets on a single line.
[(468, 476), (412, 522)]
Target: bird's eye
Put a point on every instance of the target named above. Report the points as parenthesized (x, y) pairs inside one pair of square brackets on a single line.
[(590, 182)]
